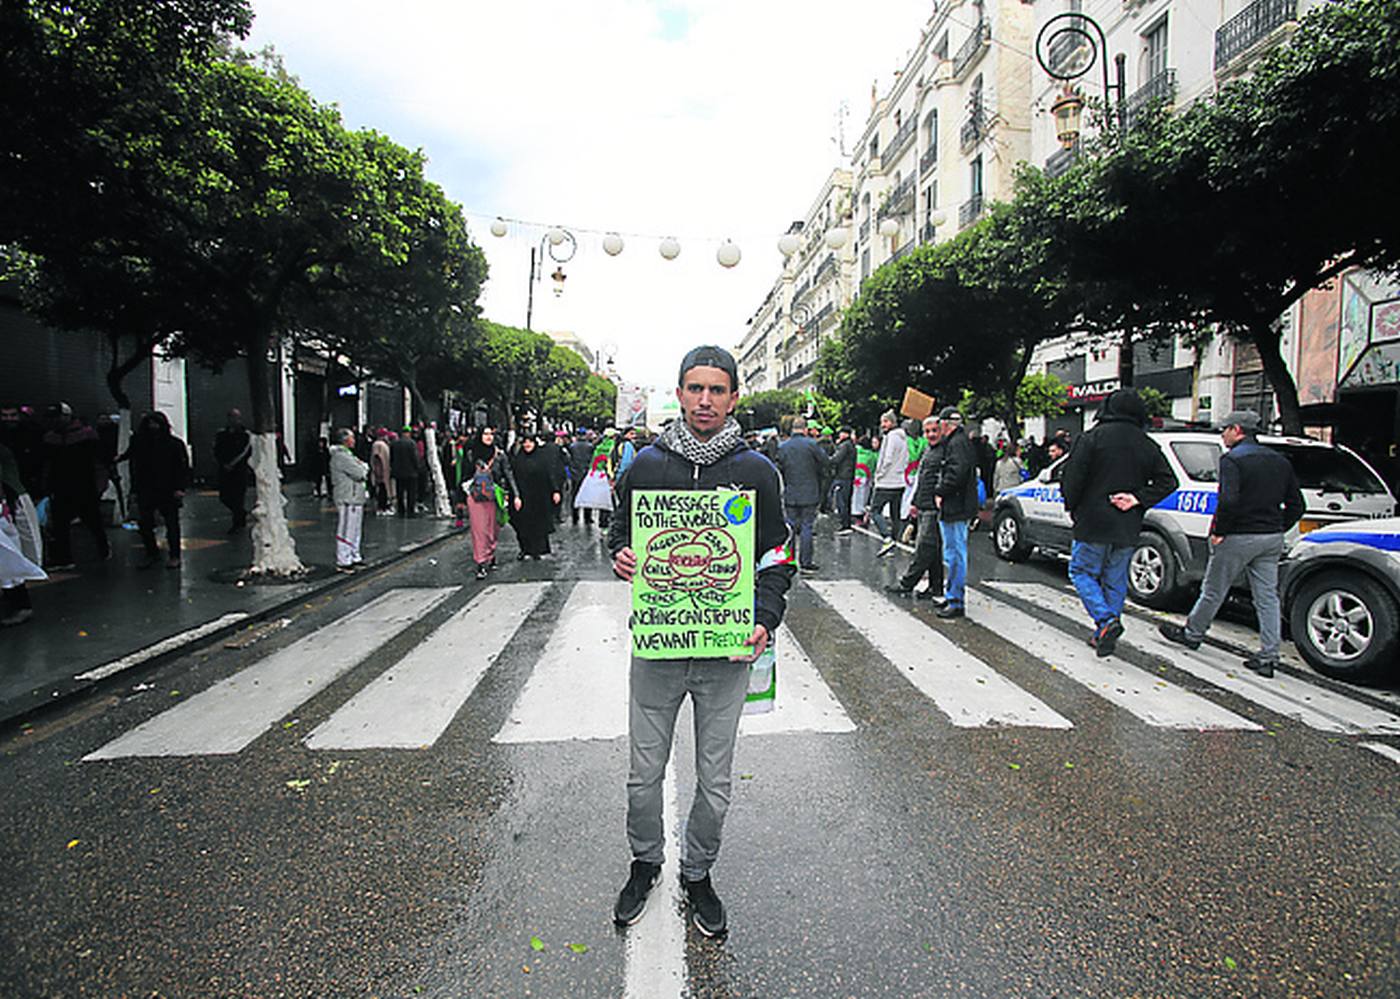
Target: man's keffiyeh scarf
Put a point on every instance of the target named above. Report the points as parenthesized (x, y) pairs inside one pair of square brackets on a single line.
[(678, 437)]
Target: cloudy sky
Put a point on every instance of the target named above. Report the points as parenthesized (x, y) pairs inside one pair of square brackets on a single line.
[(704, 121)]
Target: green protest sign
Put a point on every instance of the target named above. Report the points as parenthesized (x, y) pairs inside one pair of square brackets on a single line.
[(692, 594)]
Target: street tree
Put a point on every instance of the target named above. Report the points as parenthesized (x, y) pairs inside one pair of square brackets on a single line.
[(573, 394), (1245, 202), (510, 364)]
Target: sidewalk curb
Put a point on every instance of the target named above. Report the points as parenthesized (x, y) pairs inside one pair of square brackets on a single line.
[(72, 690)]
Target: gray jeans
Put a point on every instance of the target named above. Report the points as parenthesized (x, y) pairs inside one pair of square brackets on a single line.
[(1255, 554), (716, 688)]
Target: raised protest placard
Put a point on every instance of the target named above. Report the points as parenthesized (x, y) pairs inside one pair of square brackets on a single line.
[(692, 594)]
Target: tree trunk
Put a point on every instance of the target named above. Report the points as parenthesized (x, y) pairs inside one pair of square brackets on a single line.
[(274, 551), (1266, 340), (116, 374), (442, 505)]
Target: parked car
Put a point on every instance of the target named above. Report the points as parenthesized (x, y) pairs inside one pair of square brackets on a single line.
[(1341, 599), (1172, 549)]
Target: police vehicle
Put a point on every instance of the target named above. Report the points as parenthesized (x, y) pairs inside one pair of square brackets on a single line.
[(1341, 599), (1174, 544)]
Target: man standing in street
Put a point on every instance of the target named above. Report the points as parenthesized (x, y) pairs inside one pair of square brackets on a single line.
[(233, 446), (403, 463), (1258, 501), (928, 544), (702, 450), (803, 464), (1115, 474), (843, 473), (70, 481), (889, 480), (349, 476), (956, 499)]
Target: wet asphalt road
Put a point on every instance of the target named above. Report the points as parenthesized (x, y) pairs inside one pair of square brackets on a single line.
[(908, 857)]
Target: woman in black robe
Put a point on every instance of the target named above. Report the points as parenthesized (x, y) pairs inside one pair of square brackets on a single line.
[(538, 483)]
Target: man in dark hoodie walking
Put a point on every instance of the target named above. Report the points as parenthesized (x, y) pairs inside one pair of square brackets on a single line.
[(704, 449), (1114, 475)]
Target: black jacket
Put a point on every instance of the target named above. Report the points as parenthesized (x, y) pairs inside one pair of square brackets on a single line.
[(1116, 456), (1259, 492), (657, 467), (929, 466), (804, 465), (160, 465), (843, 461), (957, 477)]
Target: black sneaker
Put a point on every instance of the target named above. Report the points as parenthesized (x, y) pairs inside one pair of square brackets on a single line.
[(1258, 664), (930, 594), (1176, 633), (899, 591), (948, 612), (705, 907), (1107, 637), (632, 900), (481, 572)]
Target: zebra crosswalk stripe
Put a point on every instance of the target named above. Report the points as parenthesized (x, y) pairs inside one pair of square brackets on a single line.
[(412, 703), (1155, 701), (578, 689), (1283, 694), (963, 687), (804, 702), (232, 713)]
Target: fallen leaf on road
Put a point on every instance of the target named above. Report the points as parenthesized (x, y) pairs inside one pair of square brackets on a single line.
[(578, 948), (746, 776), (1069, 765), (537, 943), (525, 968), (1230, 963), (1014, 766), (174, 693), (289, 724), (72, 843), (155, 790), (298, 785), (82, 634)]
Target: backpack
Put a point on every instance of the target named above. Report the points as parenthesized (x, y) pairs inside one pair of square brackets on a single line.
[(482, 487)]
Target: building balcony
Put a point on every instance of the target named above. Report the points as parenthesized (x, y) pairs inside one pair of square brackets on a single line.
[(926, 234), (1161, 89), (972, 129), (900, 200), (796, 375), (903, 251), (1069, 51), (801, 290), (827, 266), (969, 211), (822, 313), (1251, 26), (977, 43), (863, 231), (929, 159), (1061, 160), (900, 142)]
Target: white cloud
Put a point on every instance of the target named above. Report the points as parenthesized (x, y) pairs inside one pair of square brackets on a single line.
[(705, 121)]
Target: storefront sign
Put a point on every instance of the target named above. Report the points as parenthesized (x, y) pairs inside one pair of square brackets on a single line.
[(1090, 392)]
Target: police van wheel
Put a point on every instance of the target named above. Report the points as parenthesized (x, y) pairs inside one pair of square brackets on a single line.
[(1345, 626), (1152, 573), (1008, 538)]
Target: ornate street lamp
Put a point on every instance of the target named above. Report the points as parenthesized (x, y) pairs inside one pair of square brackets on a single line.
[(561, 246), (1050, 42)]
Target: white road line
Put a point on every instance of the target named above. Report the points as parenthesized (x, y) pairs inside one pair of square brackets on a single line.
[(411, 704), (1389, 752), (962, 686), (1284, 694), (1158, 703), (655, 951), (907, 549), (231, 714), (804, 702), (578, 689), (161, 647)]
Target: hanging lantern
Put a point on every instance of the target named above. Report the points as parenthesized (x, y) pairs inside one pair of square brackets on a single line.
[(728, 254), (889, 228), (836, 237), (499, 227), (937, 217), (788, 245), (1067, 109), (558, 277), (612, 244), (669, 248), (557, 236)]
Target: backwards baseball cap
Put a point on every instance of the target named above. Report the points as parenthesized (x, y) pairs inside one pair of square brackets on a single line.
[(1245, 419), (710, 356), (951, 414)]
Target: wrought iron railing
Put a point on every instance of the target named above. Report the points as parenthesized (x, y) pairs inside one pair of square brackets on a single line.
[(900, 142), (927, 232), (969, 211), (972, 49), (1061, 160), (863, 231), (900, 199), (903, 250), (972, 129), (801, 290), (1158, 90), (1250, 25), (928, 158)]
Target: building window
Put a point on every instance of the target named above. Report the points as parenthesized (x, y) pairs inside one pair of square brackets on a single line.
[(864, 264), (1155, 51), (975, 178), (874, 147)]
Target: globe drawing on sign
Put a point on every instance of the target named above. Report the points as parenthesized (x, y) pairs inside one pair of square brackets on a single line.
[(696, 565), (738, 510)]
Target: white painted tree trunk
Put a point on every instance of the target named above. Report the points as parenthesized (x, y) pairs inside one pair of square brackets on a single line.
[(274, 551), (442, 506)]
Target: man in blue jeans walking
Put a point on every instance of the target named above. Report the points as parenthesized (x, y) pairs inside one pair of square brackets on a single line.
[(1115, 474), (956, 498)]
